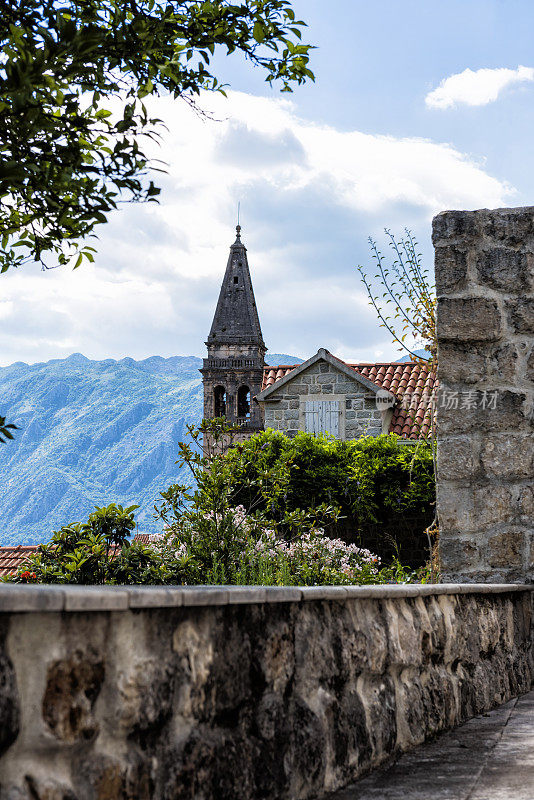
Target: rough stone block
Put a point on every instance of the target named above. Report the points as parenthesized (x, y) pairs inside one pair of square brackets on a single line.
[(508, 456), (297, 389), (501, 363), (530, 367), (495, 410), (451, 276), (455, 225), (291, 415), (472, 319), (460, 364), (354, 431), (512, 227), (459, 554), (506, 548), (526, 504), (456, 507), (372, 431), (315, 369), (344, 386), (521, 315), (504, 270), (404, 634), (495, 504), (457, 458)]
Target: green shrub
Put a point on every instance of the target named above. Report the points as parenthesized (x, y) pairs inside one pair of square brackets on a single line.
[(95, 552), (234, 548), (370, 480)]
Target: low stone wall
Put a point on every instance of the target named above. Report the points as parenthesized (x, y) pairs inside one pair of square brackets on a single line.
[(223, 694)]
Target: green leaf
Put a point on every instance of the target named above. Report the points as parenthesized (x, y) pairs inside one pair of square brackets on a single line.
[(258, 32)]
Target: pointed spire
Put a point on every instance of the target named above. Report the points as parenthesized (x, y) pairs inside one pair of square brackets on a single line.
[(236, 318)]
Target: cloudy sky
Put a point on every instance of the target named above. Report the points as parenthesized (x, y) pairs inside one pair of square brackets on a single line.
[(418, 106)]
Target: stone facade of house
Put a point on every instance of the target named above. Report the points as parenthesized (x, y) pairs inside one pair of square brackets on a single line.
[(485, 408), (322, 393)]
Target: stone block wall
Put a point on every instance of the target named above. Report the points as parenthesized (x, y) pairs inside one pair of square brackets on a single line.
[(359, 415), (239, 693), (485, 407)]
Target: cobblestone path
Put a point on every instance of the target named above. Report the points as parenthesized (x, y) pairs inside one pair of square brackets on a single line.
[(491, 757)]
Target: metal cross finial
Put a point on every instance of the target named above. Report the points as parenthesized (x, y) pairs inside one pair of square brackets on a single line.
[(238, 226)]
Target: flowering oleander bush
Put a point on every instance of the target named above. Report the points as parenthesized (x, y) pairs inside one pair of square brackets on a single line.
[(234, 548)]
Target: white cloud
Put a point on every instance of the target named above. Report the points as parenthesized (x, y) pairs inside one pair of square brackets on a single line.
[(310, 195), (476, 87)]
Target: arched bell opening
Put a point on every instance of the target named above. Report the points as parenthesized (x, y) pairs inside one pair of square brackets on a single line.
[(243, 403), (219, 401)]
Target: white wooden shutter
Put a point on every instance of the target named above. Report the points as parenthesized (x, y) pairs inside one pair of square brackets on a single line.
[(322, 416)]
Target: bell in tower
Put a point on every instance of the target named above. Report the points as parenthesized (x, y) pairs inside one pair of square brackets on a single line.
[(233, 371)]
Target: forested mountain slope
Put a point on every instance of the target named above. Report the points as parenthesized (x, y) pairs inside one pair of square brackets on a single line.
[(91, 433)]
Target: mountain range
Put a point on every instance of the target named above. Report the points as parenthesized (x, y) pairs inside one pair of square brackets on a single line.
[(91, 433)]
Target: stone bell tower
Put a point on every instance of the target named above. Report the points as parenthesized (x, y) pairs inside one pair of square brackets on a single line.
[(233, 371)]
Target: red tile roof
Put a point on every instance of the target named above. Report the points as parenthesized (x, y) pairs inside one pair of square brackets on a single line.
[(144, 538), (412, 384), (12, 558)]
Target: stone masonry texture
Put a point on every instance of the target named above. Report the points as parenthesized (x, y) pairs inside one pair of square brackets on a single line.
[(246, 700), (485, 407), (359, 415)]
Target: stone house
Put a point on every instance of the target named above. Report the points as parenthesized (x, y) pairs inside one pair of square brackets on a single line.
[(322, 395)]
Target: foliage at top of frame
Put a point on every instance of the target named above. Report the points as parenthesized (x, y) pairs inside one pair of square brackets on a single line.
[(73, 77)]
